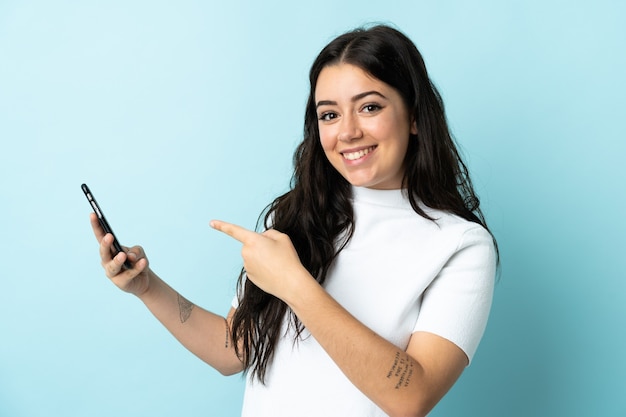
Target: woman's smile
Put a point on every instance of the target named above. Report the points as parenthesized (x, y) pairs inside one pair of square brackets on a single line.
[(359, 154)]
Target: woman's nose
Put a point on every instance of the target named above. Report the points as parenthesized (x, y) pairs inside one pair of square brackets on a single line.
[(349, 129)]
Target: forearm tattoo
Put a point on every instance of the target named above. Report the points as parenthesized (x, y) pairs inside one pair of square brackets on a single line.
[(227, 334), (401, 371), (184, 308)]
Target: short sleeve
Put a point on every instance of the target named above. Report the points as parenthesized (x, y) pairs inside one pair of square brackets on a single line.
[(456, 304), (237, 297)]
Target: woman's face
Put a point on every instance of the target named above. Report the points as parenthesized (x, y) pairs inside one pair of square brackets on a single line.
[(364, 126)]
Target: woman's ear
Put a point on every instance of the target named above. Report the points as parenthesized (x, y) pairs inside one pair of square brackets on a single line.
[(413, 127)]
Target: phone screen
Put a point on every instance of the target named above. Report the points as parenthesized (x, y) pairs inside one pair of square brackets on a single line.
[(117, 248)]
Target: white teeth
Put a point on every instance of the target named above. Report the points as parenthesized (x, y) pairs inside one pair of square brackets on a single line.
[(357, 155)]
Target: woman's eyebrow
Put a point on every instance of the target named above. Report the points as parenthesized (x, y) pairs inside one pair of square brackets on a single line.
[(367, 93), (325, 103), (353, 99)]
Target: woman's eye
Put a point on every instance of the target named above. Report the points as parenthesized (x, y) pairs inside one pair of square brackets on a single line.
[(371, 108), (328, 116)]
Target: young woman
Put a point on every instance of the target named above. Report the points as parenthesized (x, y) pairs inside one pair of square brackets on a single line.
[(370, 288)]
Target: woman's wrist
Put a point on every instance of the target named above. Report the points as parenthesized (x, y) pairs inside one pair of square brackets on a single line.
[(303, 285), (152, 284)]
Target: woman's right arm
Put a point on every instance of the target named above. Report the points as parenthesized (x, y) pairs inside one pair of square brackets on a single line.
[(205, 334)]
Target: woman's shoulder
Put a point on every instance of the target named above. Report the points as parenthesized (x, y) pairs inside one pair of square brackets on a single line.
[(459, 229)]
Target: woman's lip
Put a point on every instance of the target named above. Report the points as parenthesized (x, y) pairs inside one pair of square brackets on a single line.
[(357, 153), (357, 149)]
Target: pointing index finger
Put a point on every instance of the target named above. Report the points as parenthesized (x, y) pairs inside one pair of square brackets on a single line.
[(236, 232)]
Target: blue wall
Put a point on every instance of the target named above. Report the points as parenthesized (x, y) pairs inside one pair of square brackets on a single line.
[(179, 112)]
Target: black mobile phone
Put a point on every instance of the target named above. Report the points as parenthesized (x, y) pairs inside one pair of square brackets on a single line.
[(117, 248)]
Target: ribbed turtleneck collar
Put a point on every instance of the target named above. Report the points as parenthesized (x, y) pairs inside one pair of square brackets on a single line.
[(391, 198)]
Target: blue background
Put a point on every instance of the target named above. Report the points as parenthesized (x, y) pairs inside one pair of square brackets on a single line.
[(179, 112)]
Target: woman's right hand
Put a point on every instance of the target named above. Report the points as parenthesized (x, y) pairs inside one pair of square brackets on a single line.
[(135, 280)]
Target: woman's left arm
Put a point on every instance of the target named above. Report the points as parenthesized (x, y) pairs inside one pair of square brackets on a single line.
[(402, 383)]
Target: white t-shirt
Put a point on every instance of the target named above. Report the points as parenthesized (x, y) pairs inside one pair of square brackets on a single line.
[(400, 273)]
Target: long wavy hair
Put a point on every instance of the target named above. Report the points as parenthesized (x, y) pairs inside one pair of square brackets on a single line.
[(316, 213)]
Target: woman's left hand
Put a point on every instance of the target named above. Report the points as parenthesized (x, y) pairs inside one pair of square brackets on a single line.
[(269, 258)]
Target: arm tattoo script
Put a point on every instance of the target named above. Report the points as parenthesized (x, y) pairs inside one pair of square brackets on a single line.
[(401, 371), (227, 334), (184, 308)]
